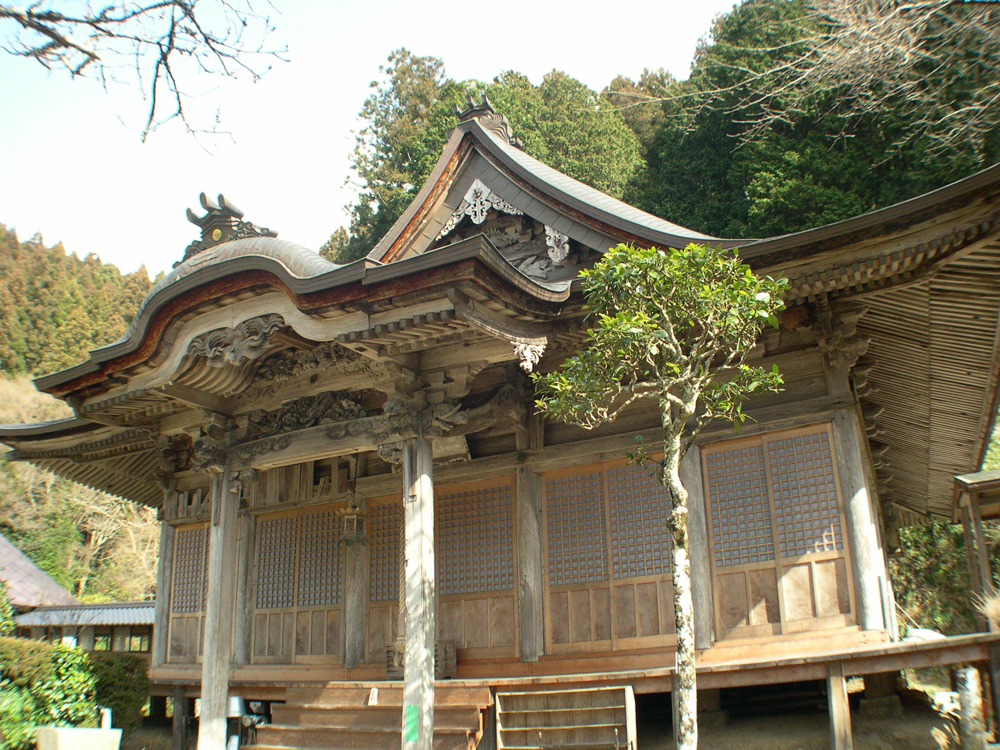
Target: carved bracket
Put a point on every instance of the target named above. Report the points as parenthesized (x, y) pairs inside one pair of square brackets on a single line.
[(529, 343), (248, 341), (837, 334)]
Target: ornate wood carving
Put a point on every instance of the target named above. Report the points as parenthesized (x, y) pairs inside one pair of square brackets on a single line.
[(558, 244), (308, 411), (285, 365), (248, 341), (488, 117), (222, 222), (476, 204), (210, 451)]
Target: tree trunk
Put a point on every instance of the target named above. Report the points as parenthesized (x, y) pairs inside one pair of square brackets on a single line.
[(686, 729)]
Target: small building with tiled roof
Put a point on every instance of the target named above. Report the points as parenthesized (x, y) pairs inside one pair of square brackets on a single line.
[(28, 586)]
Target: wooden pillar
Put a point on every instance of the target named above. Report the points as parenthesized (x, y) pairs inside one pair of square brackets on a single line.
[(418, 668), (971, 732), (867, 563), (994, 670), (217, 650), (245, 575), (161, 616), (973, 560), (530, 593), (987, 589), (179, 740), (840, 709), (699, 549), (355, 559)]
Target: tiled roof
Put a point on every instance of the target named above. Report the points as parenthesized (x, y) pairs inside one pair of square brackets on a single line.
[(116, 613), (27, 584)]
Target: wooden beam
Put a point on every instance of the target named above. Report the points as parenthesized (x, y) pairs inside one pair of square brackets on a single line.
[(840, 709), (418, 670), (530, 567), (971, 559), (217, 649), (179, 729), (245, 575), (355, 561)]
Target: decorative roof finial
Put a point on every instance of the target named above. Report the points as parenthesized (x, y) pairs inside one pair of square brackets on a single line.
[(488, 117), (222, 222)]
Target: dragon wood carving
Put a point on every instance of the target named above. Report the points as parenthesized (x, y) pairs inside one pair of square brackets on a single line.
[(248, 341)]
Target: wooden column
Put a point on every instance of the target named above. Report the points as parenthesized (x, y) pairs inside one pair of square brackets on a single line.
[(355, 560), (164, 576), (219, 610), (982, 558), (530, 569), (245, 550), (840, 709), (418, 669), (867, 563), (699, 549), (972, 559), (178, 739)]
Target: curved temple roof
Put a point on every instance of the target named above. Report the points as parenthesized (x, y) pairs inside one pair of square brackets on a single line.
[(925, 274)]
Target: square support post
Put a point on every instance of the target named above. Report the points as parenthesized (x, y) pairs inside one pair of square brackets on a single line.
[(161, 616), (840, 709), (220, 606), (418, 523), (529, 564), (699, 549), (868, 562)]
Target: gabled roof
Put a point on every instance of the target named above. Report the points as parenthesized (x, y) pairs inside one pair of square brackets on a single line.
[(114, 613), (585, 214), (27, 584)]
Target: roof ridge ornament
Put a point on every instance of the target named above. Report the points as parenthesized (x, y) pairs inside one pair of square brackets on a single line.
[(488, 117), (222, 222)]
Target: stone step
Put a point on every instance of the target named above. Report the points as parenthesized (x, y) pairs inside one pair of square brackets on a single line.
[(374, 717), (330, 696), (316, 738)]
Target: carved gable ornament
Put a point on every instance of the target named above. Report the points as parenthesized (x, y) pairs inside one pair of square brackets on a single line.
[(477, 203)]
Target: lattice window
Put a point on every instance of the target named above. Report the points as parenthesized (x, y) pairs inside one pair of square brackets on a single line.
[(384, 529), (276, 540), (577, 529), (476, 540), (805, 494), (319, 559), (188, 571), (639, 507), (741, 514)]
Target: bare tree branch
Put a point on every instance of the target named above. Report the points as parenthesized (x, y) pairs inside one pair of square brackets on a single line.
[(160, 46)]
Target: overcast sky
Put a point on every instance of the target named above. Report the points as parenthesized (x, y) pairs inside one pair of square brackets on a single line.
[(74, 169)]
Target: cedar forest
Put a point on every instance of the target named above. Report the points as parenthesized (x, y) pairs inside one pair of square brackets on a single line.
[(689, 151)]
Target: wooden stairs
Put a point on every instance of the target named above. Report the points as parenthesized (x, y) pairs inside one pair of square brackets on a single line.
[(353, 717), (594, 718)]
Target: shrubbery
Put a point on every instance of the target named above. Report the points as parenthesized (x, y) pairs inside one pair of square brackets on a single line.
[(122, 686), (42, 684)]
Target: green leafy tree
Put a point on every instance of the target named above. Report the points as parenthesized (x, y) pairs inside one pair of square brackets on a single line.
[(335, 244), (410, 113), (7, 625), (674, 327)]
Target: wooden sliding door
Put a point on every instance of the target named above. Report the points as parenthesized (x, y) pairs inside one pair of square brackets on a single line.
[(188, 586), (298, 592), (778, 534), (475, 563), (606, 549)]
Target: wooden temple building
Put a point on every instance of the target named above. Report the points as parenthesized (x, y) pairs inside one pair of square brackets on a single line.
[(354, 487)]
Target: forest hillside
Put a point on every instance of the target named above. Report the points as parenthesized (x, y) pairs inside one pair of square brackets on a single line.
[(54, 307)]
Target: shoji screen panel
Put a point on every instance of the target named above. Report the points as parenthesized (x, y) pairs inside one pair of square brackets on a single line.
[(298, 589), (607, 558), (777, 534), (476, 567), (385, 528), (187, 595)]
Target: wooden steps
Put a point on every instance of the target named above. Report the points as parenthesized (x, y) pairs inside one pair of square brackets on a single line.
[(346, 717), (600, 718)]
